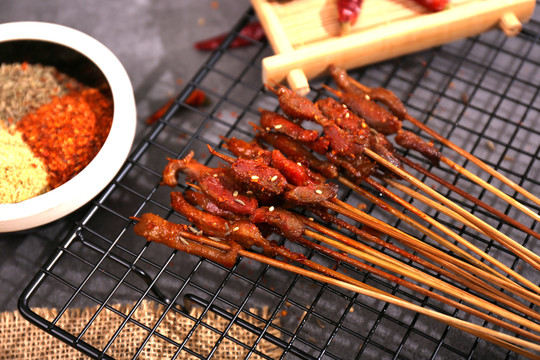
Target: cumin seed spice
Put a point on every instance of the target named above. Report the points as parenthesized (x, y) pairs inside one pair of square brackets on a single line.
[(26, 87)]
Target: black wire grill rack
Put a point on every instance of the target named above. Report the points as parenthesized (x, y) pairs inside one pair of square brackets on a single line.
[(482, 93)]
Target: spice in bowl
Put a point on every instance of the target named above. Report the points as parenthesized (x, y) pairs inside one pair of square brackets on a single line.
[(49, 123), (22, 174)]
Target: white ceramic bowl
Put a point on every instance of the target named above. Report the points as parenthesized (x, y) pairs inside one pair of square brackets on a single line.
[(72, 46)]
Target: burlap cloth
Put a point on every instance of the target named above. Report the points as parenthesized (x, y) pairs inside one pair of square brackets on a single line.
[(21, 340)]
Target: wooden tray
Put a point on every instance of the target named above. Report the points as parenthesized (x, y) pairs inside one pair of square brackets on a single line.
[(305, 34)]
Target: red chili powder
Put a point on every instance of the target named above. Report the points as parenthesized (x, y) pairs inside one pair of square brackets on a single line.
[(68, 132)]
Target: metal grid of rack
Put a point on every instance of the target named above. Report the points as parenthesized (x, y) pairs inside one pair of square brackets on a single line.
[(482, 93)]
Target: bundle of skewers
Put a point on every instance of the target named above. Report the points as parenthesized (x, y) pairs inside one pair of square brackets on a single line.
[(285, 182)]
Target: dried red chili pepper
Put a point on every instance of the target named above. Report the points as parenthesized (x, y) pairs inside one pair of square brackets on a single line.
[(433, 5), (160, 112), (348, 11), (68, 132), (196, 98), (250, 32)]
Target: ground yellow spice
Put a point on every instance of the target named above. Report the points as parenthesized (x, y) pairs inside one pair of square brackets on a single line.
[(22, 174)]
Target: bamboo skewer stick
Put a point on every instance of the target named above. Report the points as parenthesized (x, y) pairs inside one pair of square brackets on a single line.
[(338, 206), (486, 228), (418, 245), (510, 244), (423, 216), (287, 254), (491, 188), (477, 162), (457, 275), (439, 207), (439, 256), (503, 283), (458, 267), (346, 244), (462, 152), (464, 269), (407, 284), (479, 331), (469, 197), (399, 235), (398, 267), (436, 224)]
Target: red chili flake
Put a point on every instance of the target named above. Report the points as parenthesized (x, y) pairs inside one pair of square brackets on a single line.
[(68, 132), (159, 113), (24, 65), (196, 98), (348, 11), (250, 32), (433, 5)]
